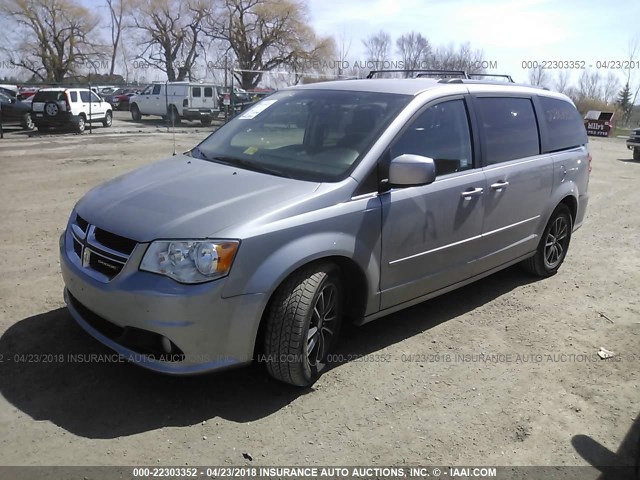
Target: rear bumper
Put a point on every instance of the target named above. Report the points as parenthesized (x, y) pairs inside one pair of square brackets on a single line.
[(41, 119), (198, 113)]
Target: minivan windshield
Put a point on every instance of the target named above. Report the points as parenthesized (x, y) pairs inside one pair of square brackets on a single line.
[(315, 135)]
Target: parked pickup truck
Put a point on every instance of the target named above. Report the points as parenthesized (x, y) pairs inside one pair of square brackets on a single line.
[(177, 101), (633, 143)]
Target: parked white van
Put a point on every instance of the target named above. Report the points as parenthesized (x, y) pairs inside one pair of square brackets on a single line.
[(177, 101)]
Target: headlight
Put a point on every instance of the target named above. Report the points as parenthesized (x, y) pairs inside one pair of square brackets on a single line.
[(190, 261)]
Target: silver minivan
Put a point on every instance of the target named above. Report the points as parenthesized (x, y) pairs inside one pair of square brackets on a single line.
[(322, 204)]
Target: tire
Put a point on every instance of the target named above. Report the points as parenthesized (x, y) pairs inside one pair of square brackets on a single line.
[(311, 294), (554, 244), (108, 119), (636, 153), (51, 109), (205, 122), (135, 113), (173, 117), (80, 124), (27, 122)]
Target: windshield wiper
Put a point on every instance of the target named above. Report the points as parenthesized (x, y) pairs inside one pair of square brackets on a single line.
[(239, 162)]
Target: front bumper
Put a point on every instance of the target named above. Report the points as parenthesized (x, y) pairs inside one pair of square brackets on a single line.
[(633, 143), (209, 331)]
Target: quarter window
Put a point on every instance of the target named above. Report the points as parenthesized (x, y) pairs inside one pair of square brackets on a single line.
[(440, 132), (509, 127), (564, 124), (74, 96)]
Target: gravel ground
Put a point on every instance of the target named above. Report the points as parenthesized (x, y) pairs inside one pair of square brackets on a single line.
[(503, 371)]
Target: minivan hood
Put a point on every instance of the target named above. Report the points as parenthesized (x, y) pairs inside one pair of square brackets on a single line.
[(185, 197)]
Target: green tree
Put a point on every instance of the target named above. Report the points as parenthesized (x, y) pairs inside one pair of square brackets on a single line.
[(625, 102)]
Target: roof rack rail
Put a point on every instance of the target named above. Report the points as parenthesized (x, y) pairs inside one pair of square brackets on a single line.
[(489, 82), (493, 75), (421, 72)]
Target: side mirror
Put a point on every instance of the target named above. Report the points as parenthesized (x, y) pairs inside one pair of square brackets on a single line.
[(410, 170)]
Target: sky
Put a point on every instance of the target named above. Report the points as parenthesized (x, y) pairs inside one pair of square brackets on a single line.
[(509, 32)]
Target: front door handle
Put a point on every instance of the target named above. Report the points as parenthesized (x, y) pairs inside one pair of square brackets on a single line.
[(499, 185), (475, 192)]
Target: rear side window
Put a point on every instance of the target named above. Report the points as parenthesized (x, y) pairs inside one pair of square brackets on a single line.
[(73, 96), (196, 92), (208, 92), (440, 132), (564, 124), (48, 96), (509, 128)]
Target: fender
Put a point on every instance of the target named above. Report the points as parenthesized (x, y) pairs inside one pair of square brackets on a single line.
[(352, 234)]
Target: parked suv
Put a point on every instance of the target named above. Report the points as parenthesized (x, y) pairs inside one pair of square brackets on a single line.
[(633, 143), (69, 107), (324, 203), (176, 101)]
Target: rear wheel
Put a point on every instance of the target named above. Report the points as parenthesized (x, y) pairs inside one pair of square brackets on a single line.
[(173, 116), (27, 122), (303, 324), (636, 153), (135, 113), (80, 124), (553, 245), (108, 119), (205, 122)]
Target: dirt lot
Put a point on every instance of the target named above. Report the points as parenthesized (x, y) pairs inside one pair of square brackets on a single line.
[(538, 397)]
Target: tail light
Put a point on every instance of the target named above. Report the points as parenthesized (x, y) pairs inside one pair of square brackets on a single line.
[(589, 157), (185, 102)]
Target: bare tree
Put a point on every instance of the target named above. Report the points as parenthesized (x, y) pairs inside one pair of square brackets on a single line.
[(52, 37), (378, 47), (267, 34), (463, 59), (172, 34), (562, 81), (539, 76), (611, 88), (589, 85), (343, 46), (118, 9), (413, 49)]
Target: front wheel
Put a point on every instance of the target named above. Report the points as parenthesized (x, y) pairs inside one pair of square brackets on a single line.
[(205, 122), (553, 245), (303, 324), (636, 153)]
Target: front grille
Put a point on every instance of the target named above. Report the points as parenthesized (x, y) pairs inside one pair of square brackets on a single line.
[(100, 251), (115, 242), (77, 247), (82, 223), (135, 339)]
